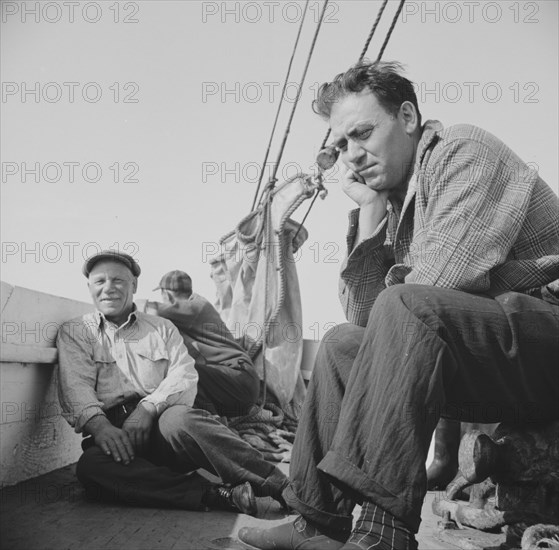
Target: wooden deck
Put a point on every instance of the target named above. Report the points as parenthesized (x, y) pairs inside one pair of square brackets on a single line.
[(50, 512)]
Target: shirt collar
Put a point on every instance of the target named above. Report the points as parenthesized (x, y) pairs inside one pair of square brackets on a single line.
[(412, 186), (430, 132), (102, 320)]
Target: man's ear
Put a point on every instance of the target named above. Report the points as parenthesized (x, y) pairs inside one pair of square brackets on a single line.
[(167, 296), (135, 285), (410, 117)]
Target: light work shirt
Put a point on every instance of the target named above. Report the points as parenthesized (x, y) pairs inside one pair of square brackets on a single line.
[(101, 365)]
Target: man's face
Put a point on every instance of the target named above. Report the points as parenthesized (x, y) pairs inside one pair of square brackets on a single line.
[(112, 287), (377, 146)]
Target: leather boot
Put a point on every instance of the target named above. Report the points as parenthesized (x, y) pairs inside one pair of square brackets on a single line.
[(239, 498), (297, 535), (444, 467)]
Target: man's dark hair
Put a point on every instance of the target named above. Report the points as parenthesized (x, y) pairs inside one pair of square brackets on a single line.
[(383, 78)]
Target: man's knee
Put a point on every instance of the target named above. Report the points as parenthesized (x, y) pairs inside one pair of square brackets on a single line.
[(229, 389), (416, 312), (182, 421), (338, 347), (423, 301), (403, 313), (341, 338), (247, 388), (408, 295)]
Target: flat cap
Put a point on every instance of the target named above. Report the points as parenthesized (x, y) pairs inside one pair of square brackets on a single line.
[(113, 256), (176, 280)]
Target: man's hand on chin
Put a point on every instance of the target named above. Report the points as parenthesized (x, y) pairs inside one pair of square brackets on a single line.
[(138, 425)]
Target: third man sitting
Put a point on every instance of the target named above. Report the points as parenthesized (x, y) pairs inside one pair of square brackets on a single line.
[(228, 384)]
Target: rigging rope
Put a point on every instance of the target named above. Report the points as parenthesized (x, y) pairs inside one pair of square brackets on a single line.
[(267, 213), (372, 33), (265, 246), (298, 96), (273, 178), (366, 47), (316, 194), (279, 106), (389, 34), (363, 53)]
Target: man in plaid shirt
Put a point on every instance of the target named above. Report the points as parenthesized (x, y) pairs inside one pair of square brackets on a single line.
[(451, 290)]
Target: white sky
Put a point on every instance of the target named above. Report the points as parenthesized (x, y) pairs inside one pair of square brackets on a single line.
[(193, 145)]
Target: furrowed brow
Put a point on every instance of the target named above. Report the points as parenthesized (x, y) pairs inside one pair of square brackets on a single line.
[(351, 133)]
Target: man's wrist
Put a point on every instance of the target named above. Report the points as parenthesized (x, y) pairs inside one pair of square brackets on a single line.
[(96, 423), (150, 408), (371, 217), (375, 207)]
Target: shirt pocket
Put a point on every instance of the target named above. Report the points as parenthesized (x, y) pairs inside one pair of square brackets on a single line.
[(153, 363), (108, 379)]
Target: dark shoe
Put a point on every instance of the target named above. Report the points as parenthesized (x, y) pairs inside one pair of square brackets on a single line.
[(445, 461), (234, 499), (298, 535)]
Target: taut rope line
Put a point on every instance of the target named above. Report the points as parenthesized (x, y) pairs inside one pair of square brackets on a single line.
[(361, 57), (363, 54), (279, 107)]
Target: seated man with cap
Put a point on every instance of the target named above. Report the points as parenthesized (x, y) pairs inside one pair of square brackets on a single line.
[(127, 382), (228, 383)]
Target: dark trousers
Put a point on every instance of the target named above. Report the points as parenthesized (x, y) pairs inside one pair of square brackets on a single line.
[(183, 440), (227, 390), (377, 393)]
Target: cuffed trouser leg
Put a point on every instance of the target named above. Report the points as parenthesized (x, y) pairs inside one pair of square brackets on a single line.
[(197, 438), (311, 492), (428, 351)]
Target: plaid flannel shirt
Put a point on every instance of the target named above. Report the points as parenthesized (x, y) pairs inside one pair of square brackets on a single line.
[(476, 218)]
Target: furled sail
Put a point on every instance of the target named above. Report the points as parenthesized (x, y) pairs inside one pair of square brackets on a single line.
[(258, 290)]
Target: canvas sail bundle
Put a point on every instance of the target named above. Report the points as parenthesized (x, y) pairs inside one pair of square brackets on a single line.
[(258, 290)]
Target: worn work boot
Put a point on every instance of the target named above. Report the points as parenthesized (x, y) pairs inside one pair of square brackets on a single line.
[(234, 499), (444, 467), (298, 535)]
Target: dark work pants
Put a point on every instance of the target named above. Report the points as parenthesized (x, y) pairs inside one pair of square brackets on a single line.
[(227, 390), (183, 440), (376, 393)]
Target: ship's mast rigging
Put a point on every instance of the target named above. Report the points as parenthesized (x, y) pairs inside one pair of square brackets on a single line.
[(328, 154)]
